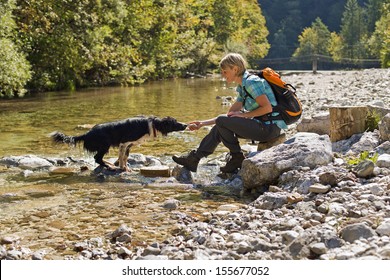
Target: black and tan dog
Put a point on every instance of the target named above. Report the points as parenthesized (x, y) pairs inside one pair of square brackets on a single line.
[(123, 134)]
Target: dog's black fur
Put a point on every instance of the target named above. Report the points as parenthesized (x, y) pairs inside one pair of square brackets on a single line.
[(124, 134)]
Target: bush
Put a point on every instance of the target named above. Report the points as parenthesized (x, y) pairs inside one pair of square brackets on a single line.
[(14, 69)]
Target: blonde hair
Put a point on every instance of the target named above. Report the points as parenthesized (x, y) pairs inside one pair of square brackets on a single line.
[(233, 59)]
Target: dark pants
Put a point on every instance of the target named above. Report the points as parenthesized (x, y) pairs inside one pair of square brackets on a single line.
[(228, 129)]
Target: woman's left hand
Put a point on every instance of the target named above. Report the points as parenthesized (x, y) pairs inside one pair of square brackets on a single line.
[(236, 114)]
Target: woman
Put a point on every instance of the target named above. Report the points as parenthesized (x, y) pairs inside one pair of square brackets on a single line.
[(246, 118)]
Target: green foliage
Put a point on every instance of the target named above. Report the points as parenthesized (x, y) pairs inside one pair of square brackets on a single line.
[(72, 44), (314, 40), (372, 120), (362, 157), (353, 30), (14, 68), (380, 40)]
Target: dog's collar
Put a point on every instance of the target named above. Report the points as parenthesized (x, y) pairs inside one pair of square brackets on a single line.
[(152, 129)]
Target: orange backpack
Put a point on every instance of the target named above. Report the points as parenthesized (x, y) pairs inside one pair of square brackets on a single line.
[(288, 105)]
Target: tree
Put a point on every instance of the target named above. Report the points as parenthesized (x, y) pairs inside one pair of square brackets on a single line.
[(249, 30), (380, 40), (373, 13), (336, 46), (14, 67), (314, 40), (353, 31)]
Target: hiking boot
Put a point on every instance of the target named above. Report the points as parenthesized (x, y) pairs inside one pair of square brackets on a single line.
[(233, 163), (189, 161)]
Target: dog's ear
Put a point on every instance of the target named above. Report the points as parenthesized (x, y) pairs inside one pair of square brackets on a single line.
[(168, 118)]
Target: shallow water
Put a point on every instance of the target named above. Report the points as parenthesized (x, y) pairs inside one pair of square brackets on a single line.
[(26, 123)]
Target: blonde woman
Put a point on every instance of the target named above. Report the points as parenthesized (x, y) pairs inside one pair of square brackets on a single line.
[(246, 118)]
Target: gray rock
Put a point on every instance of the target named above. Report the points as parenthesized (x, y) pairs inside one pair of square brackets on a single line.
[(304, 149), (123, 229), (3, 252), (384, 228), (383, 161), (270, 201), (368, 142), (319, 124), (124, 238), (364, 169), (319, 188), (354, 232), (384, 128), (182, 174), (14, 255), (318, 248), (26, 162), (171, 204), (151, 251)]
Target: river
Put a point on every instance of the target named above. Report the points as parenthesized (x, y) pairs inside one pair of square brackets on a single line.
[(26, 122)]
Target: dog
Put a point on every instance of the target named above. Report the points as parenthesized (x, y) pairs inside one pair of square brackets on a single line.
[(123, 134)]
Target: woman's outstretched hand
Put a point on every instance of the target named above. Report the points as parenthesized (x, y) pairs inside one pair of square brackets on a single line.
[(194, 125)]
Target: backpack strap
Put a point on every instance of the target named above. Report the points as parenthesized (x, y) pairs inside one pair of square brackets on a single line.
[(247, 94), (263, 118)]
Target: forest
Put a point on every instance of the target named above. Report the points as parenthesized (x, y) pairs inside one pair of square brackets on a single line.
[(49, 45)]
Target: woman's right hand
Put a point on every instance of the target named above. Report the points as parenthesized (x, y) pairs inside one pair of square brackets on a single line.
[(194, 125)]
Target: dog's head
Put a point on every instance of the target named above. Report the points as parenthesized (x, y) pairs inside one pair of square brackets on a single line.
[(168, 124)]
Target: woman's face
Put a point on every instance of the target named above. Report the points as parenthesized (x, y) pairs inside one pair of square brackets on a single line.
[(229, 73)]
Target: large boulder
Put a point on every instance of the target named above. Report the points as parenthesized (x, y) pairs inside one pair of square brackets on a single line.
[(304, 149)]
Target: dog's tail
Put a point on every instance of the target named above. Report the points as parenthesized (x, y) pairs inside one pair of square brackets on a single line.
[(59, 137)]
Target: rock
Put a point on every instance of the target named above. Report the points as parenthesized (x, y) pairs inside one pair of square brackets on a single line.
[(151, 251), (383, 161), (266, 145), (62, 170), (383, 148), (354, 232), (124, 252), (9, 239), (171, 204), (294, 198), (228, 207), (384, 128), (319, 188), (364, 169), (304, 149), (289, 236), (319, 124), (182, 174), (14, 255), (155, 171), (26, 162), (368, 142), (329, 178), (318, 248), (39, 255), (123, 229), (124, 238), (270, 201), (384, 228)]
